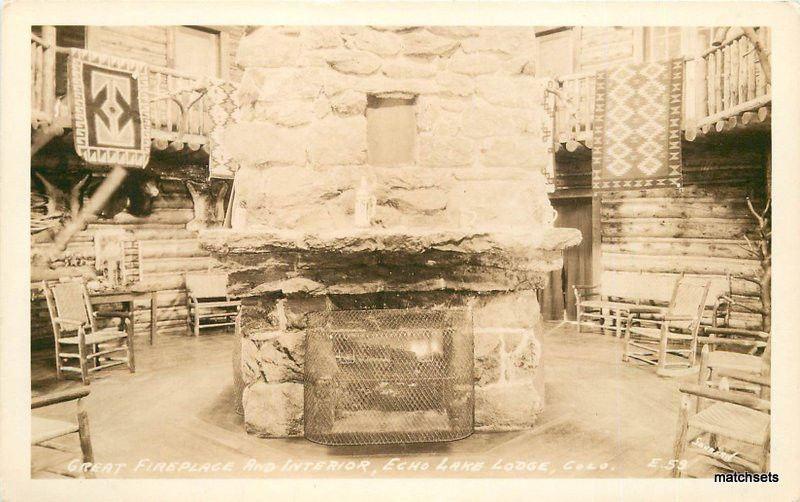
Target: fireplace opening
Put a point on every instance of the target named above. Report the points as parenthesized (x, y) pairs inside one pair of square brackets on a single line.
[(389, 376)]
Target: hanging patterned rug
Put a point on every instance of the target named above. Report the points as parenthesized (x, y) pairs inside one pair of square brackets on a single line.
[(110, 111), (637, 126), (223, 111)]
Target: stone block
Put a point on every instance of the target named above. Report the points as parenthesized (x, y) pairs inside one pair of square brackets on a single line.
[(507, 40), (268, 47), (273, 410), (443, 151), (507, 310), (406, 68), (338, 141), (262, 142), (382, 43), (250, 366), (320, 37), (425, 43), (484, 120), (507, 406), (474, 64), (509, 151), (353, 62), (513, 90), (486, 347), (455, 84), (282, 356), (454, 31), (296, 308), (288, 113), (349, 102)]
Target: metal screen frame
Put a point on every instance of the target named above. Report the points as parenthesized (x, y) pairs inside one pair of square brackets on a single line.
[(389, 376)]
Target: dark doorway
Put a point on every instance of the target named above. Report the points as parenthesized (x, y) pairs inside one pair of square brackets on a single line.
[(557, 297)]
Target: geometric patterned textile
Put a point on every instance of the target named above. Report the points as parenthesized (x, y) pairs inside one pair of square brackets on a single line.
[(223, 110), (548, 132), (110, 109), (637, 126)]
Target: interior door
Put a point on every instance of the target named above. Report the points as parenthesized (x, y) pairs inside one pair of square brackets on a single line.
[(558, 296), (556, 54), (196, 51)]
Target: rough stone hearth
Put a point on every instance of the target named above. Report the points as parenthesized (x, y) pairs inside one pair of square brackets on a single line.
[(465, 223)]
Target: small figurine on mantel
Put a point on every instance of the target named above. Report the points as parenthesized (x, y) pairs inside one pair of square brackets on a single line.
[(365, 205)]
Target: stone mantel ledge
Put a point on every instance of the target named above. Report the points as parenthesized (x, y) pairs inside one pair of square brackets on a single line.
[(521, 244)]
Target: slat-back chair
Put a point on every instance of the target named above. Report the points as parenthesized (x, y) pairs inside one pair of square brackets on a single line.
[(748, 352), (716, 412), (46, 429), (668, 339), (78, 337), (210, 305)]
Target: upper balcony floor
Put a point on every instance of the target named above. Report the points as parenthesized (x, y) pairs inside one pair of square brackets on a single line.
[(179, 59), (725, 87)]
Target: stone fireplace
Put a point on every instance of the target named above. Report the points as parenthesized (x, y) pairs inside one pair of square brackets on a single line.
[(389, 168)]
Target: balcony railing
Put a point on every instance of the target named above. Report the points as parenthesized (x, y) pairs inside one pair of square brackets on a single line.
[(724, 87), (178, 107)]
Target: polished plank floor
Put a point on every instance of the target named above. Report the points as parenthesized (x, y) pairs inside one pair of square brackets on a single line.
[(603, 418)]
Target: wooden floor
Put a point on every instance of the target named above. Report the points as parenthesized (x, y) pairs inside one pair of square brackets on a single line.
[(177, 407)]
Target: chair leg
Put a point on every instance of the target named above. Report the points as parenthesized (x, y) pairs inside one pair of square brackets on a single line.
[(130, 353), (83, 363), (765, 456), (662, 350), (196, 325), (618, 334), (58, 361), (679, 447), (626, 345), (85, 438)]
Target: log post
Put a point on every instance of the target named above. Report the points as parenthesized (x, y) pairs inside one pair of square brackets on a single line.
[(679, 446), (49, 70)]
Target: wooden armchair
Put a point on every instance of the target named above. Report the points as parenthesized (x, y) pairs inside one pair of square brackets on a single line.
[(46, 429), (209, 304), (750, 354), (78, 337), (667, 338), (716, 415)]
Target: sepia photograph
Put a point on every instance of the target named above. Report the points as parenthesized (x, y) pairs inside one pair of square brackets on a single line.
[(414, 250)]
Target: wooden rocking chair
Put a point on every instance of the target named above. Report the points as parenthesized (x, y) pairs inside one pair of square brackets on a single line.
[(209, 303), (77, 336), (668, 339), (46, 429)]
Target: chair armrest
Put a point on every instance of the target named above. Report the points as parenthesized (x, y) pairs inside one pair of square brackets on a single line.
[(741, 399), (585, 286), (646, 309), (737, 332), (112, 315), (59, 397), (713, 340), (745, 377), (68, 323)]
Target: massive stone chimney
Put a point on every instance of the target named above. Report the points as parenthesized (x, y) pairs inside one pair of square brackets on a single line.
[(390, 167)]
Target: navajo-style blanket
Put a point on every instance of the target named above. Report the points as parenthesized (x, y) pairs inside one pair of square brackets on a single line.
[(110, 109), (223, 111), (637, 126)]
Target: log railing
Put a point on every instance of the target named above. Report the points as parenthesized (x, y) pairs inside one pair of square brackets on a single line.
[(575, 109), (724, 87), (179, 119), (43, 76)]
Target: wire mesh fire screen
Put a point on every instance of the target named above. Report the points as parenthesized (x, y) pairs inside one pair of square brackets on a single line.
[(388, 376)]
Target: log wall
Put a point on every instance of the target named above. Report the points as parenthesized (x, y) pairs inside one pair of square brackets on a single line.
[(605, 46), (149, 44), (650, 237), (166, 249)]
